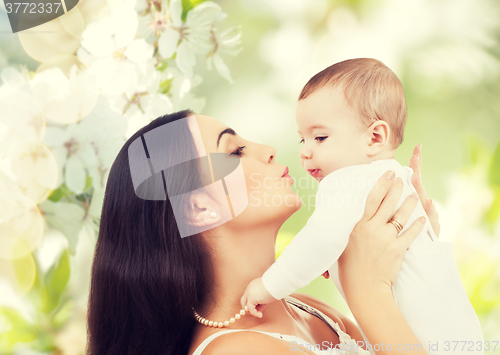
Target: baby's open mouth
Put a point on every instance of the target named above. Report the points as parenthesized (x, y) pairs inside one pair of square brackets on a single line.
[(314, 172)]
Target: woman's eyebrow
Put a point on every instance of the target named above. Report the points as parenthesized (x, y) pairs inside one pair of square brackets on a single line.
[(227, 130)]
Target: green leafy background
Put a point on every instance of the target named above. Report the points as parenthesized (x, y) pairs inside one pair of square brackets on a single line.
[(458, 125)]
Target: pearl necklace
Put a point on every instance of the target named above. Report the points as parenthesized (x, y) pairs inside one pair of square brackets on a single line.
[(210, 323)]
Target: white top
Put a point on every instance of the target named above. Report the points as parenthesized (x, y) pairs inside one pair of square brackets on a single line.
[(428, 290), (347, 345)]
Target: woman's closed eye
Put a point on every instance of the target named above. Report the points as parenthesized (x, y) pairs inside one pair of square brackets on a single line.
[(238, 152)]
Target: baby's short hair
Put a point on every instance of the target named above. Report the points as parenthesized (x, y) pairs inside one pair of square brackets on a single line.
[(371, 90)]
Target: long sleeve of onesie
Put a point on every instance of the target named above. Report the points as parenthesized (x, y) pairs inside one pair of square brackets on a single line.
[(340, 201)]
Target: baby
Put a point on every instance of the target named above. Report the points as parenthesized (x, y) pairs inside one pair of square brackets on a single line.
[(351, 118)]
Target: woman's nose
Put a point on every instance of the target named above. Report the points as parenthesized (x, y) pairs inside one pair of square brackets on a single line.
[(272, 154), (266, 153)]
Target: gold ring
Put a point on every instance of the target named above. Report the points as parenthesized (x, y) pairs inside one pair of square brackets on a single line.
[(397, 224)]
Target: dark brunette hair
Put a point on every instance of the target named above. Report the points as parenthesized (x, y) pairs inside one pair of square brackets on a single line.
[(145, 278)]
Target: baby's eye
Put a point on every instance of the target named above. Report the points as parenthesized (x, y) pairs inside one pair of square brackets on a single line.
[(302, 140), (321, 139)]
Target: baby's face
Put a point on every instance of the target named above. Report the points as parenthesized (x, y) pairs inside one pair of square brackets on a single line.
[(331, 136)]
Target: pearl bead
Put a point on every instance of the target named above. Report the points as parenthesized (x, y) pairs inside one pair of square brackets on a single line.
[(226, 323)]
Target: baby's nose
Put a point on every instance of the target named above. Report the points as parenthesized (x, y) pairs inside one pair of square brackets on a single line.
[(305, 153)]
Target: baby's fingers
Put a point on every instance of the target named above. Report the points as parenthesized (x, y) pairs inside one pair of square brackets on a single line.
[(245, 302), (253, 310)]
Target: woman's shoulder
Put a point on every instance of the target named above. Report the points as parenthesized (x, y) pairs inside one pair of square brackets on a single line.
[(249, 343), (345, 323)]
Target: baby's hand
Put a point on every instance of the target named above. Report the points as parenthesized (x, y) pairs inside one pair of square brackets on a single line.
[(256, 295)]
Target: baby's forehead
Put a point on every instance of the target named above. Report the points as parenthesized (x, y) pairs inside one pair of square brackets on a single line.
[(326, 98), (325, 108)]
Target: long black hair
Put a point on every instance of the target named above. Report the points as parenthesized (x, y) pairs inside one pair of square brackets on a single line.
[(145, 278)]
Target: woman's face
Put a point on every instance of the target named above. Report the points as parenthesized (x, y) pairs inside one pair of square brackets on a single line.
[(270, 198)]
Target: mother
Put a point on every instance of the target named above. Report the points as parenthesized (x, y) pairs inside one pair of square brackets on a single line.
[(146, 279)]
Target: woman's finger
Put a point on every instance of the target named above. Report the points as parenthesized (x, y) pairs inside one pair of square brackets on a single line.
[(415, 165), (430, 209), (416, 159), (411, 233), (404, 212), (377, 194), (386, 209), (416, 179)]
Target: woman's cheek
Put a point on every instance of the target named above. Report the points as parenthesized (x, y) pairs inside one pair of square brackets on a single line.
[(253, 182)]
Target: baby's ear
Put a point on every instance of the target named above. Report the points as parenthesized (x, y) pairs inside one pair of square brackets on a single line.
[(203, 212), (379, 134)]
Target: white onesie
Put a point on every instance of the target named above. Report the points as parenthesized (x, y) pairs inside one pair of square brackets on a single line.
[(428, 290)]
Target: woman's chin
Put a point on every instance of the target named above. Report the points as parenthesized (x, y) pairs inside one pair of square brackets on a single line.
[(297, 204)]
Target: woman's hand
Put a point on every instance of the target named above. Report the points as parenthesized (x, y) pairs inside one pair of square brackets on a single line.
[(416, 179), (374, 255), (371, 262)]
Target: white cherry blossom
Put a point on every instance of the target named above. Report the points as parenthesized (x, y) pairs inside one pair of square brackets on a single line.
[(113, 52), (65, 100), (81, 149)]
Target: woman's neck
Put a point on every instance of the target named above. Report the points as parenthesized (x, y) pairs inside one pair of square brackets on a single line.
[(239, 257)]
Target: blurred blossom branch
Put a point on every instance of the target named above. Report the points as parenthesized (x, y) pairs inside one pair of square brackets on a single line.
[(120, 65)]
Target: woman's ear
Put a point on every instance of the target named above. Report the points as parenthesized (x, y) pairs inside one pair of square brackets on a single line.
[(202, 210), (379, 134)]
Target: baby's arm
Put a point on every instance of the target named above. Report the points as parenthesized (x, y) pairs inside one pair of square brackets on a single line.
[(313, 250)]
